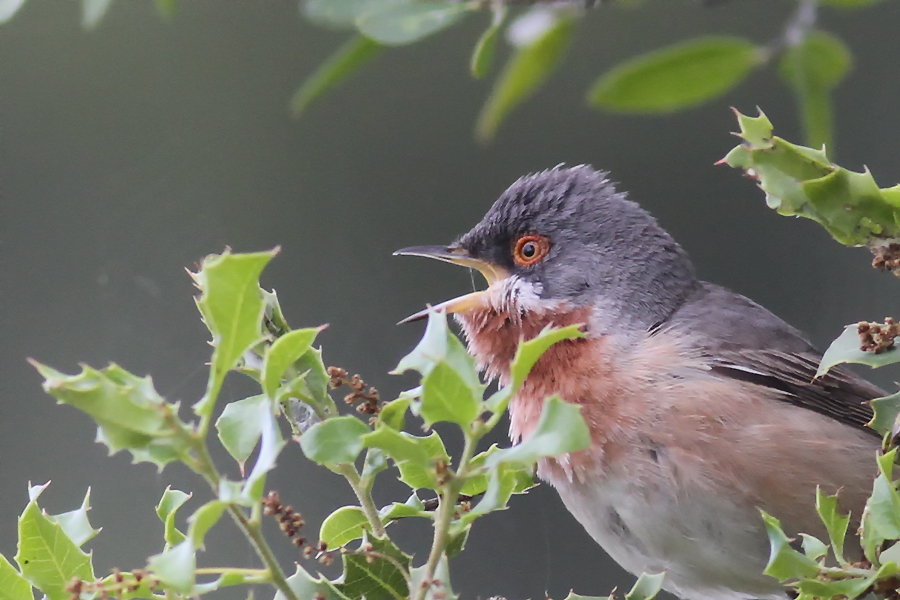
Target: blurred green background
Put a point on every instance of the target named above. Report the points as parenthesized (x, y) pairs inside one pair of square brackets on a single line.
[(129, 152)]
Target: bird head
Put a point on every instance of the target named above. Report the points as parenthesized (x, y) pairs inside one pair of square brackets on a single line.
[(565, 238)]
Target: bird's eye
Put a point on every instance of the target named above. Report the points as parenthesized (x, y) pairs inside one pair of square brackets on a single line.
[(529, 249)]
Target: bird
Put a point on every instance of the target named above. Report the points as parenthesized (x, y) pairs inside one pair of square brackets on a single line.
[(703, 407)]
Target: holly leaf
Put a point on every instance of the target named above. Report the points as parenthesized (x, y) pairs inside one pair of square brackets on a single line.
[(402, 22), (76, 524), (176, 567), (380, 574), (344, 525), (239, 427), (47, 557), (560, 430), (270, 447), (647, 586), (232, 307), (305, 585), (283, 352), (203, 520), (334, 441), (676, 77), (835, 522), (846, 349), (12, 585), (168, 506), (414, 456), (448, 396), (886, 410), (785, 563)]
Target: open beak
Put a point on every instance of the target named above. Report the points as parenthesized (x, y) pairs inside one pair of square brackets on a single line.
[(457, 256)]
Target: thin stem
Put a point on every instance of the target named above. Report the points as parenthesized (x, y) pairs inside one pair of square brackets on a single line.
[(364, 497), (449, 495)]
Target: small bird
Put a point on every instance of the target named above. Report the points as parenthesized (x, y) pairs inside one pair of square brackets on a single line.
[(703, 406)]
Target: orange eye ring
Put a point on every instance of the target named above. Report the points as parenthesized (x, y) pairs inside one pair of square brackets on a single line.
[(529, 249)]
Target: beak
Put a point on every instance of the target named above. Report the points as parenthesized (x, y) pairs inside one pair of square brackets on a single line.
[(458, 256)]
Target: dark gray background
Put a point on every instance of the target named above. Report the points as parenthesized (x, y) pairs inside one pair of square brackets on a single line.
[(129, 152)]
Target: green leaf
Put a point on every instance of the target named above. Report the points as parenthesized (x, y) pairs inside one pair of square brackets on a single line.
[(340, 14), (270, 447), (375, 577), (647, 587), (239, 427), (76, 524), (168, 505), (528, 352), (9, 8), (283, 353), (813, 547), (457, 542), (560, 430), (415, 456), (811, 69), (232, 308), (803, 182), (886, 410), (523, 75), (203, 520), (176, 567), (501, 484), (446, 396), (393, 413), (334, 441), (344, 525), (784, 562), (129, 413), (483, 54), (315, 380), (305, 586), (12, 585), (413, 507), (573, 596), (48, 559), (478, 483), (846, 349), (881, 516), (676, 77), (92, 12), (406, 21), (439, 588), (835, 522), (439, 345), (166, 8), (349, 58)]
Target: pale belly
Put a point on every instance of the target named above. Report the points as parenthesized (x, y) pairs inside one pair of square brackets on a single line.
[(709, 548)]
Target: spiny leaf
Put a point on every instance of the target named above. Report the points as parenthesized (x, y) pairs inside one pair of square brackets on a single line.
[(376, 577), (168, 506), (526, 71), (784, 562), (232, 307), (886, 410), (835, 522), (76, 524), (560, 430), (176, 567), (647, 586), (415, 456), (203, 520), (46, 556), (676, 77), (349, 58), (305, 585), (334, 441), (813, 547)]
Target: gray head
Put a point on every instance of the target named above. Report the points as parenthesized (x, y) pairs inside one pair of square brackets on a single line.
[(565, 234)]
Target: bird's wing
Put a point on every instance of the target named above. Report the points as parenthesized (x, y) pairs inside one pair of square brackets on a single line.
[(742, 340), (840, 394)]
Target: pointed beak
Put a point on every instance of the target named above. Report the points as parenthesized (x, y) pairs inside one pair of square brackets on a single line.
[(458, 256)]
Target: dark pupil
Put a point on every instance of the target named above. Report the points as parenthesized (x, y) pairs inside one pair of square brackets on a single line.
[(528, 250)]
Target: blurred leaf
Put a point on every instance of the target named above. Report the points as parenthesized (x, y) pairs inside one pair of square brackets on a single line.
[(800, 181), (406, 21), (203, 520), (526, 71), (334, 441), (813, 547), (343, 526), (440, 588), (784, 562), (374, 463), (835, 522), (811, 69), (12, 585), (851, 3), (446, 396), (560, 430), (48, 558), (851, 587), (574, 596), (76, 524), (483, 53), (647, 587), (413, 507), (393, 413), (315, 381), (166, 8), (676, 77), (339, 14), (457, 542), (270, 447), (352, 55), (239, 427), (846, 349), (886, 410), (8, 9), (129, 413), (168, 505), (176, 567), (232, 308), (283, 352), (92, 12), (376, 577), (305, 586)]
